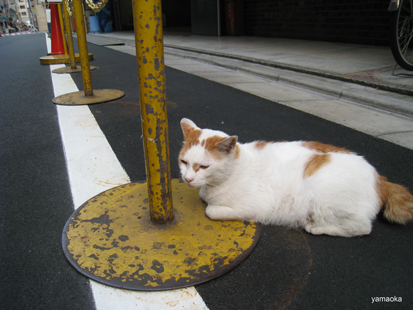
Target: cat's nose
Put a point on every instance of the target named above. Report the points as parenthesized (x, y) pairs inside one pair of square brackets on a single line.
[(189, 180)]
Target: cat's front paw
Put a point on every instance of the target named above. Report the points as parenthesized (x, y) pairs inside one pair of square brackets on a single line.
[(211, 213), (219, 213)]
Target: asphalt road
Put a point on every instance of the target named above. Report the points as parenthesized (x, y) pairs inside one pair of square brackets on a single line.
[(288, 269), (35, 199)]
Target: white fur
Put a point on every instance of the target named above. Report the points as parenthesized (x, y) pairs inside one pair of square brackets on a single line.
[(268, 186)]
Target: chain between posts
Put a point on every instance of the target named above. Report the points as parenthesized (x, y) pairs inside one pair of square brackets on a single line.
[(95, 7), (69, 7), (98, 6)]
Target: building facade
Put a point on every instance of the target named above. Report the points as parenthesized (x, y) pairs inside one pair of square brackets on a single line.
[(351, 21), (24, 12)]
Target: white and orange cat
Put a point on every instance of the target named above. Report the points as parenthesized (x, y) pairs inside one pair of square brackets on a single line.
[(322, 188)]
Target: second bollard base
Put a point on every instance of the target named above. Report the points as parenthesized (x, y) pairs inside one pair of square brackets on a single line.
[(79, 98), (71, 70), (60, 59)]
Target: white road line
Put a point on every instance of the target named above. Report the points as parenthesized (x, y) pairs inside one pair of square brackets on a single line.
[(93, 167)]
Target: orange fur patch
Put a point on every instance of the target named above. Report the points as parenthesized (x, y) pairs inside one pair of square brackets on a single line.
[(324, 148), (315, 163), (260, 144), (211, 143), (397, 200), (187, 129), (196, 167), (381, 190), (191, 138)]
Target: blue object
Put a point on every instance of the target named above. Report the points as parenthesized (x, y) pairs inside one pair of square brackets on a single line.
[(105, 18), (109, 26), (94, 24)]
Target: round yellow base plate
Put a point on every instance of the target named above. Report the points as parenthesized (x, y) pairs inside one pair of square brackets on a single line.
[(112, 240), (79, 98), (60, 59), (70, 69)]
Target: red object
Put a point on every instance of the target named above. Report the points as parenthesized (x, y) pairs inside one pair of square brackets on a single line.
[(55, 31), (229, 10)]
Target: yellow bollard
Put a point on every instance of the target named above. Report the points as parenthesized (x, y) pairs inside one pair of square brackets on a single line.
[(81, 41), (69, 39), (62, 30), (65, 58), (151, 75), (87, 96)]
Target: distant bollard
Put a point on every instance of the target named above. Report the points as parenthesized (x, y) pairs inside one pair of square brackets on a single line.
[(88, 95)]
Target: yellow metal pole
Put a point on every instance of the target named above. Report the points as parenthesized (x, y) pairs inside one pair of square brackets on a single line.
[(68, 29), (81, 40), (62, 30), (152, 91)]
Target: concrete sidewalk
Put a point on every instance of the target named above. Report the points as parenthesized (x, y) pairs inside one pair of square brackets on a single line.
[(357, 86), (362, 64)]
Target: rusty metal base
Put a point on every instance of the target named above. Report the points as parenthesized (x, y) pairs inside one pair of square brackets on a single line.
[(60, 59), (79, 98), (112, 240), (71, 70)]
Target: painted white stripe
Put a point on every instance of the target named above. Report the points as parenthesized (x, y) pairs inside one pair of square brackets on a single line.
[(93, 167)]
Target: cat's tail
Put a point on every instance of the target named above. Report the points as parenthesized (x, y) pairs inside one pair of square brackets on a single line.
[(397, 201)]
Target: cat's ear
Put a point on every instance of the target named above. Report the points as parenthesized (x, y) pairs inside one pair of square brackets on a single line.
[(187, 126), (227, 145)]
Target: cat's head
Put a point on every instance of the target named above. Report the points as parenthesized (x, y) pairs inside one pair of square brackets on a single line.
[(206, 156)]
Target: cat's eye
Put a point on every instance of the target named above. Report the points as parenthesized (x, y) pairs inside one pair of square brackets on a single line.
[(183, 162), (204, 167)]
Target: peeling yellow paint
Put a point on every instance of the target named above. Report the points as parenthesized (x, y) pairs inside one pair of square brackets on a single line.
[(111, 239), (152, 91)]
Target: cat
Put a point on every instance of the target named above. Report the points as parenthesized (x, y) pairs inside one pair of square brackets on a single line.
[(321, 188)]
